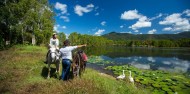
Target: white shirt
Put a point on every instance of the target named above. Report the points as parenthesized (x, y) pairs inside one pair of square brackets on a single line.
[(66, 52), (54, 42)]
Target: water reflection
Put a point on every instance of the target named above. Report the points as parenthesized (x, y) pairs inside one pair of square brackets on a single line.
[(160, 63), (170, 59)]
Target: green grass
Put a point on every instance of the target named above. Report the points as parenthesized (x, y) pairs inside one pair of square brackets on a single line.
[(22, 71)]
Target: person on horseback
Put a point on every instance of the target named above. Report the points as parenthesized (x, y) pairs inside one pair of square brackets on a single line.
[(54, 43), (66, 54)]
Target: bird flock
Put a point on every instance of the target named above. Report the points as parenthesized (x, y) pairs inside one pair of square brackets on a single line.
[(123, 76)]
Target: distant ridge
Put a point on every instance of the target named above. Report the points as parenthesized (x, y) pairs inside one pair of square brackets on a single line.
[(128, 36)]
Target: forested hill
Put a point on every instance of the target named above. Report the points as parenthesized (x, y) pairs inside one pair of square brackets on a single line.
[(128, 36)]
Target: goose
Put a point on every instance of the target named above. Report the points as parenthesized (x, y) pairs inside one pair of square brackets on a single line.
[(121, 76), (130, 77)]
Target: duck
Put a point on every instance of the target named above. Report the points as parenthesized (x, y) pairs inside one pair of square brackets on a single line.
[(130, 77), (121, 76)]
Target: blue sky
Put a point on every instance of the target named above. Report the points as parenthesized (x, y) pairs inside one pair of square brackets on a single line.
[(97, 17)]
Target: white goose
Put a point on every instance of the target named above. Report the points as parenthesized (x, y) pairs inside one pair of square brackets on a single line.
[(121, 76), (130, 77)]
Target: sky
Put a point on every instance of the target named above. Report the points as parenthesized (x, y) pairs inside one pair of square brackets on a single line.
[(98, 17)]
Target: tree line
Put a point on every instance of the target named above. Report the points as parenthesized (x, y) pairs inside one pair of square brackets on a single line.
[(90, 40)]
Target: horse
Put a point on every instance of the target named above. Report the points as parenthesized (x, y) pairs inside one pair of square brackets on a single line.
[(79, 63), (53, 58)]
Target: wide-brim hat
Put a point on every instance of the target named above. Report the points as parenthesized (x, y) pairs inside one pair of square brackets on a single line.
[(54, 34)]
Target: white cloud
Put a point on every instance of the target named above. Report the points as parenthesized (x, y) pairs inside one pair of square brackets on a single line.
[(130, 15), (99, 32), (136, 31), (187, 12), (61, 7), (177, 22), (103, 23), (152, 31), (65, 18), (64, 27), (171, 19), (80, 10), (167, 29), (142, 22), (58, 27), (158, 16), (121, 26)]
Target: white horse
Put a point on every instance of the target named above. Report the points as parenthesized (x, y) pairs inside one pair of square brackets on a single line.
[(53, 58)]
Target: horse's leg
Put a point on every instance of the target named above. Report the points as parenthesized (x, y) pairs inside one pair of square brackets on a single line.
[(84, 65), (57, 66), (49, 69)]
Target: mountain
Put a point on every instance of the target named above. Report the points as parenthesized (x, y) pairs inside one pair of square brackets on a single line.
[(128, 36)]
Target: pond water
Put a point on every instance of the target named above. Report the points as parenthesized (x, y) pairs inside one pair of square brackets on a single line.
[(170, 59)]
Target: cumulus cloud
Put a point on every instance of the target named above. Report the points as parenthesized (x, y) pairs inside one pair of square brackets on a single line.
[(187, 12), (99, 32), (81, 10), (142, 22), (152, 31), (130, 15), (65, 18), (61, 7), (103, 23), (177, 22)]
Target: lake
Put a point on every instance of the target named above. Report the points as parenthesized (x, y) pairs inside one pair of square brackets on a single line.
[(169, 59)]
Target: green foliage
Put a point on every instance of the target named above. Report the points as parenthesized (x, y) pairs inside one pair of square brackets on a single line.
[(20, 19), (77, 39), (62, 38)]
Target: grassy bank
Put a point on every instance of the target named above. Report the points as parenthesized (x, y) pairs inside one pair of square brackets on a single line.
[(22, 71)]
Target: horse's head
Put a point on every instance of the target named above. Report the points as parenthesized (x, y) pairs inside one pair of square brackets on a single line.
[(55, 54), (79, 62)]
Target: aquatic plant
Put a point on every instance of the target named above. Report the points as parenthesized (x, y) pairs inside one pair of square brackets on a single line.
[(158, 81)]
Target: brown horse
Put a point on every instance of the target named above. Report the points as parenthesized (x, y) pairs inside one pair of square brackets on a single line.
[(79, 63)]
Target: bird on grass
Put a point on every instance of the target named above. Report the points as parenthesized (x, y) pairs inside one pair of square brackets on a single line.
[(131, 78), (121, 76)]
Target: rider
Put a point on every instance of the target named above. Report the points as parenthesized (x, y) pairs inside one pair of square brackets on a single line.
[(66, 58), (54, 43)]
